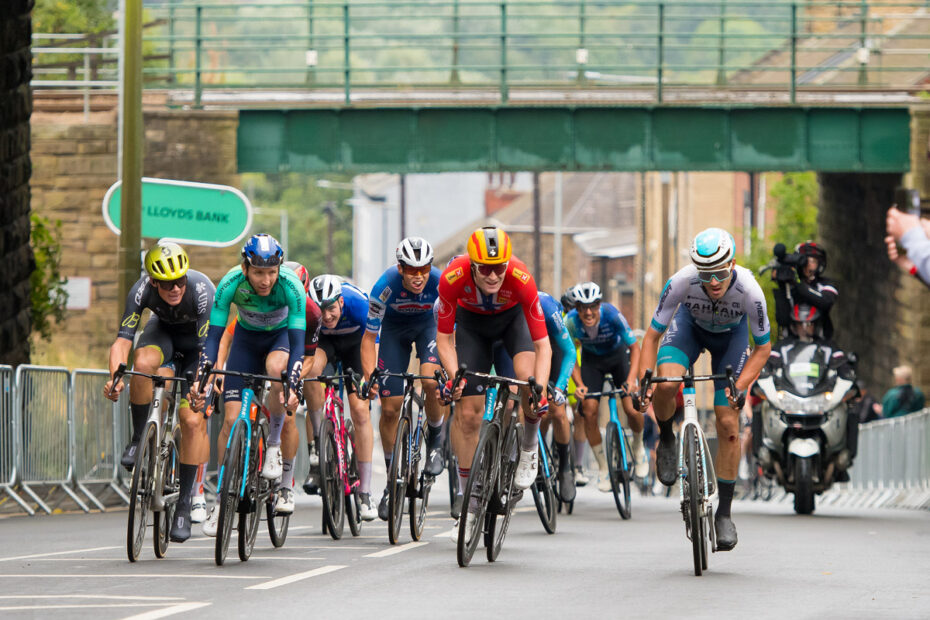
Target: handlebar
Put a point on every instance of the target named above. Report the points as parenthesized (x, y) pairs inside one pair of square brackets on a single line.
[(535, 388), (348, 375), (641, 400), (122, 371), (250, 377), (377, 375)]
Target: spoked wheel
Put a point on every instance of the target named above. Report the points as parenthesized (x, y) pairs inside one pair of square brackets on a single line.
[(277, 523), (398, 478), (331, 487), (694, 497), (140, 492), (505, 491), (170, 484), (228, 492), (353, 503), (620, 468), (544, 489), (256, 491), (478, 491), (419, 487)]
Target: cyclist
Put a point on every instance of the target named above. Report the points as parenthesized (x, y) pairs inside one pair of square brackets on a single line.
[(269, 339), (344, 311), (711, 304), (607, 346), (179, 299), (400, 307), (486, 296)]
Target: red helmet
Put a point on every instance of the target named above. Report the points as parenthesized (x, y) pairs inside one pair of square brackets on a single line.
[(301, 272), (803, 313), (809, 248)]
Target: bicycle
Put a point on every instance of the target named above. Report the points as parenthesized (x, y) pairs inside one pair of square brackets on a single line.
[(339, 477), (241, 489), (449, 462), (698, 479), (619, 454), (156, 481), (406, 483), (489, 493), (545, 487)]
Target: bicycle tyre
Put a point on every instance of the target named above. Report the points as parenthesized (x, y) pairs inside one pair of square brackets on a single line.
[(331, 487), (694, 495), (510, 457), (479, 486), (140, 492), (277, 523), (250, 514), (353, 504), (228, 493), (398, 477), (170, 484), (618, 470), (450, 462), (544, 489), (419, 489)]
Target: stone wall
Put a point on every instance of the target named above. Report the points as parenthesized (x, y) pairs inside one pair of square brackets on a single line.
[(75, 164), (15, 168)]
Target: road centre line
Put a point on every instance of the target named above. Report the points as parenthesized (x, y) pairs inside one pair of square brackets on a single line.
[(446, 533), (168, 611), (44, 555), (395, 550), (283, 581)]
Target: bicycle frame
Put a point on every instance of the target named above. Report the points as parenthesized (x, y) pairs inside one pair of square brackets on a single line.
[(332, 403), (710, 475), (248, 399)]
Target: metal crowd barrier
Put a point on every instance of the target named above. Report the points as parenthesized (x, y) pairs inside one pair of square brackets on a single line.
[(10, 444)]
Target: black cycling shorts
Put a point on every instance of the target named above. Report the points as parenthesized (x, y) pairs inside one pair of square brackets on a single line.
[(475, 335), (594, 367), (178, 345), (345, 348)]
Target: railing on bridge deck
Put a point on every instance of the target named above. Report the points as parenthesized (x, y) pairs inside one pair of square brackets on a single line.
[(497, 46)]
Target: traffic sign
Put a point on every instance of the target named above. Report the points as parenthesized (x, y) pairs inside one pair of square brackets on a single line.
[(186, 212)]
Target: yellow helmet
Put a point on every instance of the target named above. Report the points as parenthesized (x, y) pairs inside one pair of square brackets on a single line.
[(166, 261), (489, 246)]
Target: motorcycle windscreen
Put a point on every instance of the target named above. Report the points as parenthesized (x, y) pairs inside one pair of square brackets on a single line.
[(805, 367)]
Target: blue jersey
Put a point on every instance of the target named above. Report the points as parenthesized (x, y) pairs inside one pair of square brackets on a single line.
[(559, 337), (610, 334), (354, 313), (389, 301)]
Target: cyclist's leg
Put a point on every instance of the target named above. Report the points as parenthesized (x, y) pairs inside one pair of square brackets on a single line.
[(148, 357), (428, 356), (519, 345), (314, 394), (593, 369), (275, 362), (194, 449), (393, 356)]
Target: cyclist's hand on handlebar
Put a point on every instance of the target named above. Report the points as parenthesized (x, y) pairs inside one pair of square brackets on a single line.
[(558, 396), (117, 388), (581, 391), (542, 408), (369, 389), (448, 393), (736, 400)]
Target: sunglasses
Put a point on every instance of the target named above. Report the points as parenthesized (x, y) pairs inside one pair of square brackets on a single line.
[(416, 271), (588, 307), (487, 270), (167, 285), (720, 275)]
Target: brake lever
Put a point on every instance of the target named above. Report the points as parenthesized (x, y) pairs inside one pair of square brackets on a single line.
[(117, 377), (285, 389)]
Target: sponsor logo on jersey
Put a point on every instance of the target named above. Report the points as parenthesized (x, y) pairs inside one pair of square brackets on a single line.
[(203, 330), (409, 307), (141, 291), (403, 293), (454, 275), (385, 294), (521, 275), (132, 320), (536, 311)]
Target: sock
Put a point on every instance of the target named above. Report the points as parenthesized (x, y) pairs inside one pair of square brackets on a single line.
[(364, 478), (275, 426), (316, 418), (530, 436), (463, 478), (598, 451), (311, 447), (287, 477), (437, 424), (562, 450), (725, 491), (388, 457), (579, 452), (198, 481), (187, 475), (433, 435), (637, 440), (666, 432), (139, 415)]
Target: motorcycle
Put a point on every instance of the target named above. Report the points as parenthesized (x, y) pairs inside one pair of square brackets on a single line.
[(805, 388)]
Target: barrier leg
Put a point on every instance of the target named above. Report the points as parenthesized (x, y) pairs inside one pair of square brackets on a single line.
[(36, 499), (93, 498), (19, 500)]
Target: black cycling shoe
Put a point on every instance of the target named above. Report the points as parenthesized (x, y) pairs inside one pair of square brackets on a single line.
[(667, 461), (726, 533), (842, 476), (383, 507), (434, 463), (456, 510), (128, 460), (180, 526), (311, 484), (567, 489)]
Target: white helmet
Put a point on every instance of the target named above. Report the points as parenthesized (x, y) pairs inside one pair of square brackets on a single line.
[(587, 293), (414, 251), (712, 249), (325, 289)]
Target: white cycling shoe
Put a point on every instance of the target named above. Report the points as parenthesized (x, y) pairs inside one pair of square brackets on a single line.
[(526, 469), (274, 463), (469, 525), (198, 509), (212, 523), (285, 503), (603, 481), (640, 464)]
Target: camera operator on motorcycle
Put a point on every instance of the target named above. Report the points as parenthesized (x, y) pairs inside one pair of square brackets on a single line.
[(800, 281)]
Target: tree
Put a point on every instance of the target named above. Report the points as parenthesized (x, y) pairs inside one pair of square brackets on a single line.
[(72, 16), (48, 294)]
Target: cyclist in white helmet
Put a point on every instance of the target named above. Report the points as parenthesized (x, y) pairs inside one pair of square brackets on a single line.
[(711, 304)]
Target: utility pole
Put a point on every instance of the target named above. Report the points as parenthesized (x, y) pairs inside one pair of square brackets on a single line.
[(329, 209), (403, 206), (130, 239), (537, 216)]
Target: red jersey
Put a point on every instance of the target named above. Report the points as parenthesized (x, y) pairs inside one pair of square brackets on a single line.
[(457, 288)]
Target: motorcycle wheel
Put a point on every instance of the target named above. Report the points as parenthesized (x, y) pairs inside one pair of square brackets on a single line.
[(803, 486)]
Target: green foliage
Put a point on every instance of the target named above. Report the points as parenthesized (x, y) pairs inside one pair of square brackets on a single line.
[(48, 294), (72, 16)]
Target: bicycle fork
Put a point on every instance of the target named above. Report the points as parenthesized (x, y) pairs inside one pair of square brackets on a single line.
[(242, 417), (615, 418)]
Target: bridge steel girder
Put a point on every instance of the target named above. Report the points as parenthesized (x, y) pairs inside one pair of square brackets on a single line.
[(443, 139)]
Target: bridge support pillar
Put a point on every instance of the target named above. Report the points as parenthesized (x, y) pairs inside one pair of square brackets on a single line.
[(919, 176)]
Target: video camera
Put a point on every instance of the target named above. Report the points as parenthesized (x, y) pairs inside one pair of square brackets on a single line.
[(784, 266)]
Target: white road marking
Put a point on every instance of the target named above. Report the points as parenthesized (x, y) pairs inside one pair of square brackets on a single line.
[(283, 581), (74, 606), (125, 575), (395, 550), (44, 555), (447, 533), (94, 596), (180, 608)]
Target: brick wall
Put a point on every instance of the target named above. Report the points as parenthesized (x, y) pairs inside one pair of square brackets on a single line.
[(75, 164), (15, 169)]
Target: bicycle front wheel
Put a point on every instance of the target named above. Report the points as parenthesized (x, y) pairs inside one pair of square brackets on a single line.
[(170, 485), (418, 487), (505, 492), (398, 477), (140, 491), (694, 498), (478, 491), (620, 469), (331, 487), (256, 493), (277, 523), (228, 493), (544, 489), (353, 504)]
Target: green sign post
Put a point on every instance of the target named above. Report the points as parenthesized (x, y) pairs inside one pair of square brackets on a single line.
[(189, 213)]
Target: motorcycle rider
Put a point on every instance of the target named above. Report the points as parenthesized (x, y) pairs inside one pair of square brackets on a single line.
[(800, 281)]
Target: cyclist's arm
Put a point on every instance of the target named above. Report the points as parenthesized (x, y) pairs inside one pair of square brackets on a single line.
[(753, 366), (376, 310), (649, 351), (369, 354), (296, 325), (219, 314), (566, 371), (635, 354), (119, 353), (225, 343), (445, 345), (543, 359)]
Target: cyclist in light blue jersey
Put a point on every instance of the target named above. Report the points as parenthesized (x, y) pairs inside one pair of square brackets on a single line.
[(400, 308), (711, 304)]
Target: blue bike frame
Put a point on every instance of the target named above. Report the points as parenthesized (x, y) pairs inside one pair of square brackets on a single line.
[(547, 471), (247, 397), (614, 417)]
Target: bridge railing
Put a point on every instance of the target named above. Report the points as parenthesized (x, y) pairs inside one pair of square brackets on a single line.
[(354, 46)]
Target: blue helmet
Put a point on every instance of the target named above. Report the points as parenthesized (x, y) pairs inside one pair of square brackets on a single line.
[(262, 251), (712, 249)]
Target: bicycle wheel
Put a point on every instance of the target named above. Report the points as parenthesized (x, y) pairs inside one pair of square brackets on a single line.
[(619, 469), (228, 493), (398, 477), (331, 487), (544, 489), (170, 465), (353, 502), (693, 498), (418, 488), (478, 491), (277, 523), (505, 491), (256, 493), (140, 492)]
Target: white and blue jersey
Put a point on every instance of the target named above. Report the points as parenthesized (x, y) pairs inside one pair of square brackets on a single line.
[(354, 313), (611, 334), (563, 349)]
